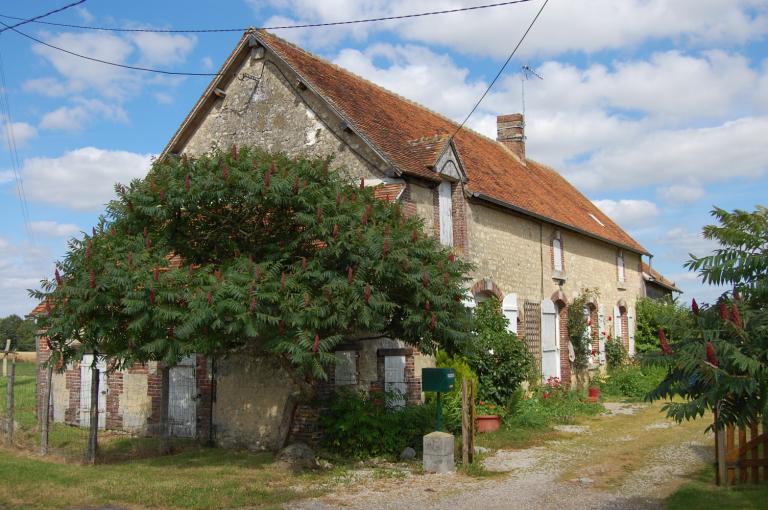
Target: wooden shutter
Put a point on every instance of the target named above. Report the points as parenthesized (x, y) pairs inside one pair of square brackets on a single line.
[(446, 215), (345, 372), (631, 331), (601, 333), (617, 324), (532, 330), (510, 311), (550, 340)]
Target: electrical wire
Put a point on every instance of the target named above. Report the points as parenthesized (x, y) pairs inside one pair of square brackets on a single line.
[(36, 18), (5, 111), (501, 71), (276, 27)]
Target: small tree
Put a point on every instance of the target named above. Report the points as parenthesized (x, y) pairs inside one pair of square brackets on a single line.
[(500, 360), (249, 250), (653, 314), (721, 363), (578, 327)]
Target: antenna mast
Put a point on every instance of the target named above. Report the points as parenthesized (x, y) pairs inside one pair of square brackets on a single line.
[(526, 75)]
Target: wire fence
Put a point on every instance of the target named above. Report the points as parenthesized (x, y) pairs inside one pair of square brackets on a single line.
[(23, 411)]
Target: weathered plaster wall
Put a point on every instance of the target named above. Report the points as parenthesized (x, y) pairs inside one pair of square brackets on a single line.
[(275, 115), (59, 396), (135, 405), (252, 396)]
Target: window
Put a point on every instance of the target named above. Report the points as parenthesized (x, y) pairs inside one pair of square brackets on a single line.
[(557, 254), (510, 311), (620, 266), (446, 215), (394, 381), (345, 372)]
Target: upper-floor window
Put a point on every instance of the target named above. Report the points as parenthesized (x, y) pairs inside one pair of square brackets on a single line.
[(557, 254), (620, 266), (445, 206)]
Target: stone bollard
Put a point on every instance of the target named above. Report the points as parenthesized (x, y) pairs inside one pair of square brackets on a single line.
[(438, 453)]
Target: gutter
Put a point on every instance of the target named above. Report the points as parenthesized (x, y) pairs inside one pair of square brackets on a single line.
[(507, 205)]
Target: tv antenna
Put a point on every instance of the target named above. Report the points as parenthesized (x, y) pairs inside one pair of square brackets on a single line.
[(526, 74)]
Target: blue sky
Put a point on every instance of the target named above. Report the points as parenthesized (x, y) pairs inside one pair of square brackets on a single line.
[(655, 109)]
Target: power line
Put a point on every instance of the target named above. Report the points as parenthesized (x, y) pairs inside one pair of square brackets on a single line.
[(276, 27), (5, 110), (504, 66), (107, 62), (36, 18)]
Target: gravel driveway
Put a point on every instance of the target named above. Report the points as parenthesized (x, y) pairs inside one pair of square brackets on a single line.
[(629, 458)]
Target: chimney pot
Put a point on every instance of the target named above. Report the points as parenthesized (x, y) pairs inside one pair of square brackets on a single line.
[(510, 130)]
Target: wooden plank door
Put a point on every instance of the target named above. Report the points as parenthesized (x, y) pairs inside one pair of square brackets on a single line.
[(182, 401)]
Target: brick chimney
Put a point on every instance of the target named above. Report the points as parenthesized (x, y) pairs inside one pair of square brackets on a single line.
[(510, 130)]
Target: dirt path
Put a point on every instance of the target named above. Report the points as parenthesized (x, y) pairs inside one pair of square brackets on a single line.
[(628, 458)]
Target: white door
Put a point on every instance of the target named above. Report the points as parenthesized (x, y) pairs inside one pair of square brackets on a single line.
[(85, 391), (182, 398), (550, 340), (394, 380)]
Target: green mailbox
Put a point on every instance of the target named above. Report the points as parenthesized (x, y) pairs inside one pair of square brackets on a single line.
[(439, 380)]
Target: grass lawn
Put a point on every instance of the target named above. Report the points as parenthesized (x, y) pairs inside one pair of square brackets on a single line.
[(198, 478), (703, 493)]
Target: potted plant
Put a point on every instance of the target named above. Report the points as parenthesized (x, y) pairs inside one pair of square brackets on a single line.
[(593, 393), (487, 417)]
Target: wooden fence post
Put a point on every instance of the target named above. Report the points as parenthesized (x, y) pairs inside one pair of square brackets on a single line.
[(165, 429), (9, 424), (93, 432), (472, 423), (720, 455), (46, 407), (464, 431)]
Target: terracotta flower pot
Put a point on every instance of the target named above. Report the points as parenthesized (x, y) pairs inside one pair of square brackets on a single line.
[(488, 423), (594, 394)]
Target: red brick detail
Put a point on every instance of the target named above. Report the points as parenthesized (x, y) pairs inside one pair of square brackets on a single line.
[(624, 328), (114, 392), (204, 383), (487, 285), (409, 206), (595, 329), (436, 212), (154, 388), (565, 363), (305, 427), (459, 213)]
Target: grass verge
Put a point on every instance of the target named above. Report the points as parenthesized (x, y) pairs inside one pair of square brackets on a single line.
[(703, 493)]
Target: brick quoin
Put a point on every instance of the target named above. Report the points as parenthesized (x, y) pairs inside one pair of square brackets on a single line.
[(565, 363), (459, 213)]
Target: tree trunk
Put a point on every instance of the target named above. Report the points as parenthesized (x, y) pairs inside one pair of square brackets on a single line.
[(93, 431), (9, 400), (165, 429), (46, 408)]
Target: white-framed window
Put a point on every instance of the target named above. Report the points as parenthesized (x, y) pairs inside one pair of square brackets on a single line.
[(510, 311), (557, 254), (620, 266), (445, 206), (345, 372)]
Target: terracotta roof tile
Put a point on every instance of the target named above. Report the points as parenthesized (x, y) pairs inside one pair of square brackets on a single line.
[(659, 278), (412, 137)]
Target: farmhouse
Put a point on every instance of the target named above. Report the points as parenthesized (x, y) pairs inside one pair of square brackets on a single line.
[(535, 240)]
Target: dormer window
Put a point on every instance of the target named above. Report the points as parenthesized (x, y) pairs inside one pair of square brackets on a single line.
[(620, 266)]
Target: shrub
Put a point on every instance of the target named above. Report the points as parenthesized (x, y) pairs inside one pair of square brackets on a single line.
[(615, 354), (451, 401), (631, 381), (652, 315), (358, 426), (551, 404), (500, 360), (578, 328)]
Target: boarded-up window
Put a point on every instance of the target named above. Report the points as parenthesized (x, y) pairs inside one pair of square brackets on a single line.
[(557, 254), (345, 372), (394, 380), (446, 216), (532, 330), (620, 266)]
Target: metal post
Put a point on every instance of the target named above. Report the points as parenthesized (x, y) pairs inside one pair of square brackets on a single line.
[(46, 407), (464, 431), (93, 433), (165, 430), (9, 425), (5, 360)]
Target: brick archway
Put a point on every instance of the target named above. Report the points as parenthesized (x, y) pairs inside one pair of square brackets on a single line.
[(487, 286)]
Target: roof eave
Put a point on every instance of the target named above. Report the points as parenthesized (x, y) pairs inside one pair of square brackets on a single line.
[(507, 205)]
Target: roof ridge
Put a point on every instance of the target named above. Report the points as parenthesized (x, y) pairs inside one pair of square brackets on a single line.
[(386, 90)]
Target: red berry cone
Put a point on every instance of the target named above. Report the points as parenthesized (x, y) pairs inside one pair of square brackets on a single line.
[(736, 315), (316, 345), (187, 183), (663, 342), (694, 307), (367, 293), (350, 275), (711, 357), (93, 279), (57, 276)]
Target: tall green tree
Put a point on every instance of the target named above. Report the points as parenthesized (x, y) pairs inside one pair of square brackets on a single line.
[(721, 362), (248, 250), (20, 331), (652, 315)]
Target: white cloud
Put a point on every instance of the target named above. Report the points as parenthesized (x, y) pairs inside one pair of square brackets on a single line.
[(73, 118), (681, 193), (82, 178), (22, 267), (207, 63), (54, 229), (85, 14), (163, 49), (22, 132), (593, 26), (629, 213), (6, 176)]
